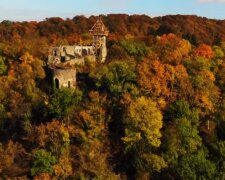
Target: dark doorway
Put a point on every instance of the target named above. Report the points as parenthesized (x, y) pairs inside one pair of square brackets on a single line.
[(68, 84), (63, 59), (57, 83), (84, 52)]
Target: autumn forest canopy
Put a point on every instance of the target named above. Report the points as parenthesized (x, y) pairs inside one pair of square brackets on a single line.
[(154, 110)]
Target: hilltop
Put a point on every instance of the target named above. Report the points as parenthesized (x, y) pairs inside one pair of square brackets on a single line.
[(154, 108)]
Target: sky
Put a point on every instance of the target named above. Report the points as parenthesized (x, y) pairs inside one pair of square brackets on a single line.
[(37, 10)]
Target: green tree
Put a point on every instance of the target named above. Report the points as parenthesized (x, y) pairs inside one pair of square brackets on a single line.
[(2, 115), (217, 150), (183, 149), (196, 166), (180, 138), (142, 121), (218, 52), (142, 124), (3, 67), (62, 101), (137, 49), (221, 76), (181, 109), (43, 162), (91, 150), (116, 78)]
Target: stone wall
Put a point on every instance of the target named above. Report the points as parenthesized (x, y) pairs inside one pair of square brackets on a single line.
[(64, 77), (63, 54)]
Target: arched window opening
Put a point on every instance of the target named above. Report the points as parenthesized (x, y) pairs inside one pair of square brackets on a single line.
[(55, 53), (63, 59), (57, 83), (84, 52)]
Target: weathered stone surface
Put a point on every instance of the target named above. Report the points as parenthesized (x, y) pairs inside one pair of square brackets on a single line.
[(62, 59), (64, 77)]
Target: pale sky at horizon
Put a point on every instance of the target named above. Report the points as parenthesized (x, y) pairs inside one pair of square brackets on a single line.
[(27, 10)]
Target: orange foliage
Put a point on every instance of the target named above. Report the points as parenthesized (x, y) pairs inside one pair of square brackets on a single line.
[(208, 75), (8, 159), (154, 76), (172, 49), (53, 136), (43, 176), (164, 80), (204, 51)]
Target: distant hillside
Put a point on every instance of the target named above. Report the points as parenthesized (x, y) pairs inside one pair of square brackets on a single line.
[(196, 29)]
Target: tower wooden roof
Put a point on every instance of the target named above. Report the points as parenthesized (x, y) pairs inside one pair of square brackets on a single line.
[(99, 29)]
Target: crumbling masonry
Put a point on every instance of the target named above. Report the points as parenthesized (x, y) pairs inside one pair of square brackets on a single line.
[(62, 59)]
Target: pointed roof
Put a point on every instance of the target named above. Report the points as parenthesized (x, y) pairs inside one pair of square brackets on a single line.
[(99, 29)]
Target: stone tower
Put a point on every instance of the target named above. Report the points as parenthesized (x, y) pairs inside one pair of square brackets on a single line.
[(99, 34), (62, 60), (64, 77)]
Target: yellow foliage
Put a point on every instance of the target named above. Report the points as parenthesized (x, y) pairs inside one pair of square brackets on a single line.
[(27, 58), (143, 122), (155, 162), (161, 102), (206, 102), (63, 168)]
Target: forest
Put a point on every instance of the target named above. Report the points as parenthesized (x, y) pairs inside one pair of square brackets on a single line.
[(154, 110)]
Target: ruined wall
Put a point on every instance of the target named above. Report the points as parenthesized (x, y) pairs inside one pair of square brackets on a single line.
[(71, 54), (64, 77)]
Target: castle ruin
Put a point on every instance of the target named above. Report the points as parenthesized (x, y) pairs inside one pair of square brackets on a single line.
[(62, 59)]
